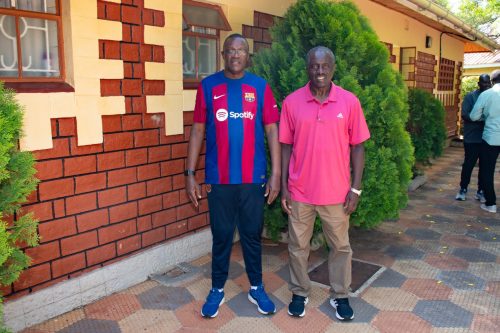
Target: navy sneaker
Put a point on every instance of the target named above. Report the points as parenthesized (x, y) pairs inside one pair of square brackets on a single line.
[(343, 309), (480, 196), (461, 194), (259, 297), (215, 299), (297, 308)]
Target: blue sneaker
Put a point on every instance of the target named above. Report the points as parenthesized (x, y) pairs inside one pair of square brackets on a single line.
[(215, 299), (259, 297)]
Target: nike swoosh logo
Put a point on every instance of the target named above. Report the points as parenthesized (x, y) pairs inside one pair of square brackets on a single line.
[(217, 97)]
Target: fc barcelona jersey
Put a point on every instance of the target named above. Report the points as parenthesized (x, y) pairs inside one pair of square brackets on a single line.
[(235, 112)]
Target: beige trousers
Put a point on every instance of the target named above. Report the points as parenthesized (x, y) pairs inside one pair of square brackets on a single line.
[(335, 224)]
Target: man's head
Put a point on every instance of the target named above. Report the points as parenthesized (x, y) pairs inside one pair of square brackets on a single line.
[(484, 82), (495, 76), (236, 55), (320, 66)]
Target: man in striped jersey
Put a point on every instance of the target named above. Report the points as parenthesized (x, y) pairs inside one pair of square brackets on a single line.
[(236, 110)]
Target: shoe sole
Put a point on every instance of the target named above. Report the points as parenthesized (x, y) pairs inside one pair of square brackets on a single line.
[(215, 314), (251, 299), (303, 312), (339, 317), (487, 210)]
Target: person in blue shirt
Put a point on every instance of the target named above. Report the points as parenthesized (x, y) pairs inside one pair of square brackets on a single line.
[(487, 107)]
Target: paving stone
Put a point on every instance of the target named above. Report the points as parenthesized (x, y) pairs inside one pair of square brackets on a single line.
[(446, 262), (494, 288), (485, 236), (429, 289), (189, 315), (363, 311), (390, 299), (92, 325), (114, 307), (351, 327), (477, 301), (450, 208), (437, 218), (486, 324), (397, 322), (313, 321), (461, 280), (242, 307), (488, 271), (165, 298), (389, 278), (430, 246), (443, 314), (418, 233), (415, 269), (488, 221), (460, 241), (61, 321), (490, 247), (150, 321), (474, 255), (451, 330), (404, 252), (250, 325), (235, 270), (284, 272)]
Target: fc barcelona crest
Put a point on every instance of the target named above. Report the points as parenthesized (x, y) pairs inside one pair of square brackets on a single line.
[(249, 97)]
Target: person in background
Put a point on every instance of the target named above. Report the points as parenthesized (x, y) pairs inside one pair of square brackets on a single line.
[(473, 132), (487, 108), (235, 109), (322, 130)]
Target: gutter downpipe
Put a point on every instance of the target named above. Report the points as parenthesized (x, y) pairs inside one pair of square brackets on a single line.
[(445, 14)]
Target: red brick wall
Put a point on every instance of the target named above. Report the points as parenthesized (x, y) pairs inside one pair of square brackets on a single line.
[(259, 32), (99, 203)]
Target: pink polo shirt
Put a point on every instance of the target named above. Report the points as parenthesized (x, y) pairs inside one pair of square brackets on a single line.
[(321, 135)]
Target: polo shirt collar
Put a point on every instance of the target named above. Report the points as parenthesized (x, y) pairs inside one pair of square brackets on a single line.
[(332, 96)]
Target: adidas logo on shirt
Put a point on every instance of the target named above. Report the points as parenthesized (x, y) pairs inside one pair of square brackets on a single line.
[(340, 115)]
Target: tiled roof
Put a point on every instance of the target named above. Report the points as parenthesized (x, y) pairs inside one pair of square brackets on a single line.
[(482, 58)]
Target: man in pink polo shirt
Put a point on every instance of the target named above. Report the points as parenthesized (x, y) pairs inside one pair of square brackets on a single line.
[(322, 130)]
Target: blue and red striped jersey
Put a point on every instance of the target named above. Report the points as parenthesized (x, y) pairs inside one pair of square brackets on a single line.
[(235, 112)]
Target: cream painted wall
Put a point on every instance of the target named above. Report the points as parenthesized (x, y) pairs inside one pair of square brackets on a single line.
[(478, 71), (82, 30)]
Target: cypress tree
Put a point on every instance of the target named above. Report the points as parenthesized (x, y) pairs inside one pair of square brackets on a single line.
[(362, 68)]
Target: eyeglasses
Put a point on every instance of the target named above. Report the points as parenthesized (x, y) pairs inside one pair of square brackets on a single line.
[(235, 52)]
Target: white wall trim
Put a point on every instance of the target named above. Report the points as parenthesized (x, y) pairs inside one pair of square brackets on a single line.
[(71, 294)]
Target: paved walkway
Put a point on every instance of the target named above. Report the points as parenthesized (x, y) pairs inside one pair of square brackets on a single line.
[(442, 275)]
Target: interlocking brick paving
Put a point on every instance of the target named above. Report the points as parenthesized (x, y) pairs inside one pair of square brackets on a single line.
[(442, 276), (427, 289), (443, 314)]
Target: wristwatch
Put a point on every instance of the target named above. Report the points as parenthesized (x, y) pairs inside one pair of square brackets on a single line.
[(355, 191), (189, 172)]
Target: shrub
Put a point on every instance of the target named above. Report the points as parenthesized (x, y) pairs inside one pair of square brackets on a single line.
[(16, 183), (363, 68), (469, 84), (426, 125)]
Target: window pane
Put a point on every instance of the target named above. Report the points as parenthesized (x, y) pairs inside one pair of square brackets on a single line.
[(43, 6), (188, 56), (8, 47), (4, 3), (207, 61), (39, 47)]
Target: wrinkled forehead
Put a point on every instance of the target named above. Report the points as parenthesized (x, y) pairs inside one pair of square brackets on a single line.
[(320, 56), (236, 43)]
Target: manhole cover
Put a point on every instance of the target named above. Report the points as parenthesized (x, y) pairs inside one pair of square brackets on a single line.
[(362, 273)]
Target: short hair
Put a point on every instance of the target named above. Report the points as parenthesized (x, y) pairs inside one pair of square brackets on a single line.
[(236, 36), (319, 48), (495, 76), (484, 78)]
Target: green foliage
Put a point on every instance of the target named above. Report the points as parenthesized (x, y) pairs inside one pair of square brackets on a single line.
[(443, 3), (481, 14), (363, 68), (469, 84), (16, 183), (426, 125)]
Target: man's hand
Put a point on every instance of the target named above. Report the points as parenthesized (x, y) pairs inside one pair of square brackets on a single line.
[(286, 202), (351, 202), (272, 188), (193, 189)]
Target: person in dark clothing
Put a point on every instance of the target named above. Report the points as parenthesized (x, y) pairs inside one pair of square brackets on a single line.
[(473, 131)]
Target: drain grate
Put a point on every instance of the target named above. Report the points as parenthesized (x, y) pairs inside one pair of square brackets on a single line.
[(178, 275), (363, 274)]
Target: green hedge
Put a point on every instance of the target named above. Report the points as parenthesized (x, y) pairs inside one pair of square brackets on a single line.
[(363, 68), (16, 183), (426, 125)]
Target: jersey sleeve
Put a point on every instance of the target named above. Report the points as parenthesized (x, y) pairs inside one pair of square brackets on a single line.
[(270, 113), (200, 107), (358, 129), (286, 128)]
